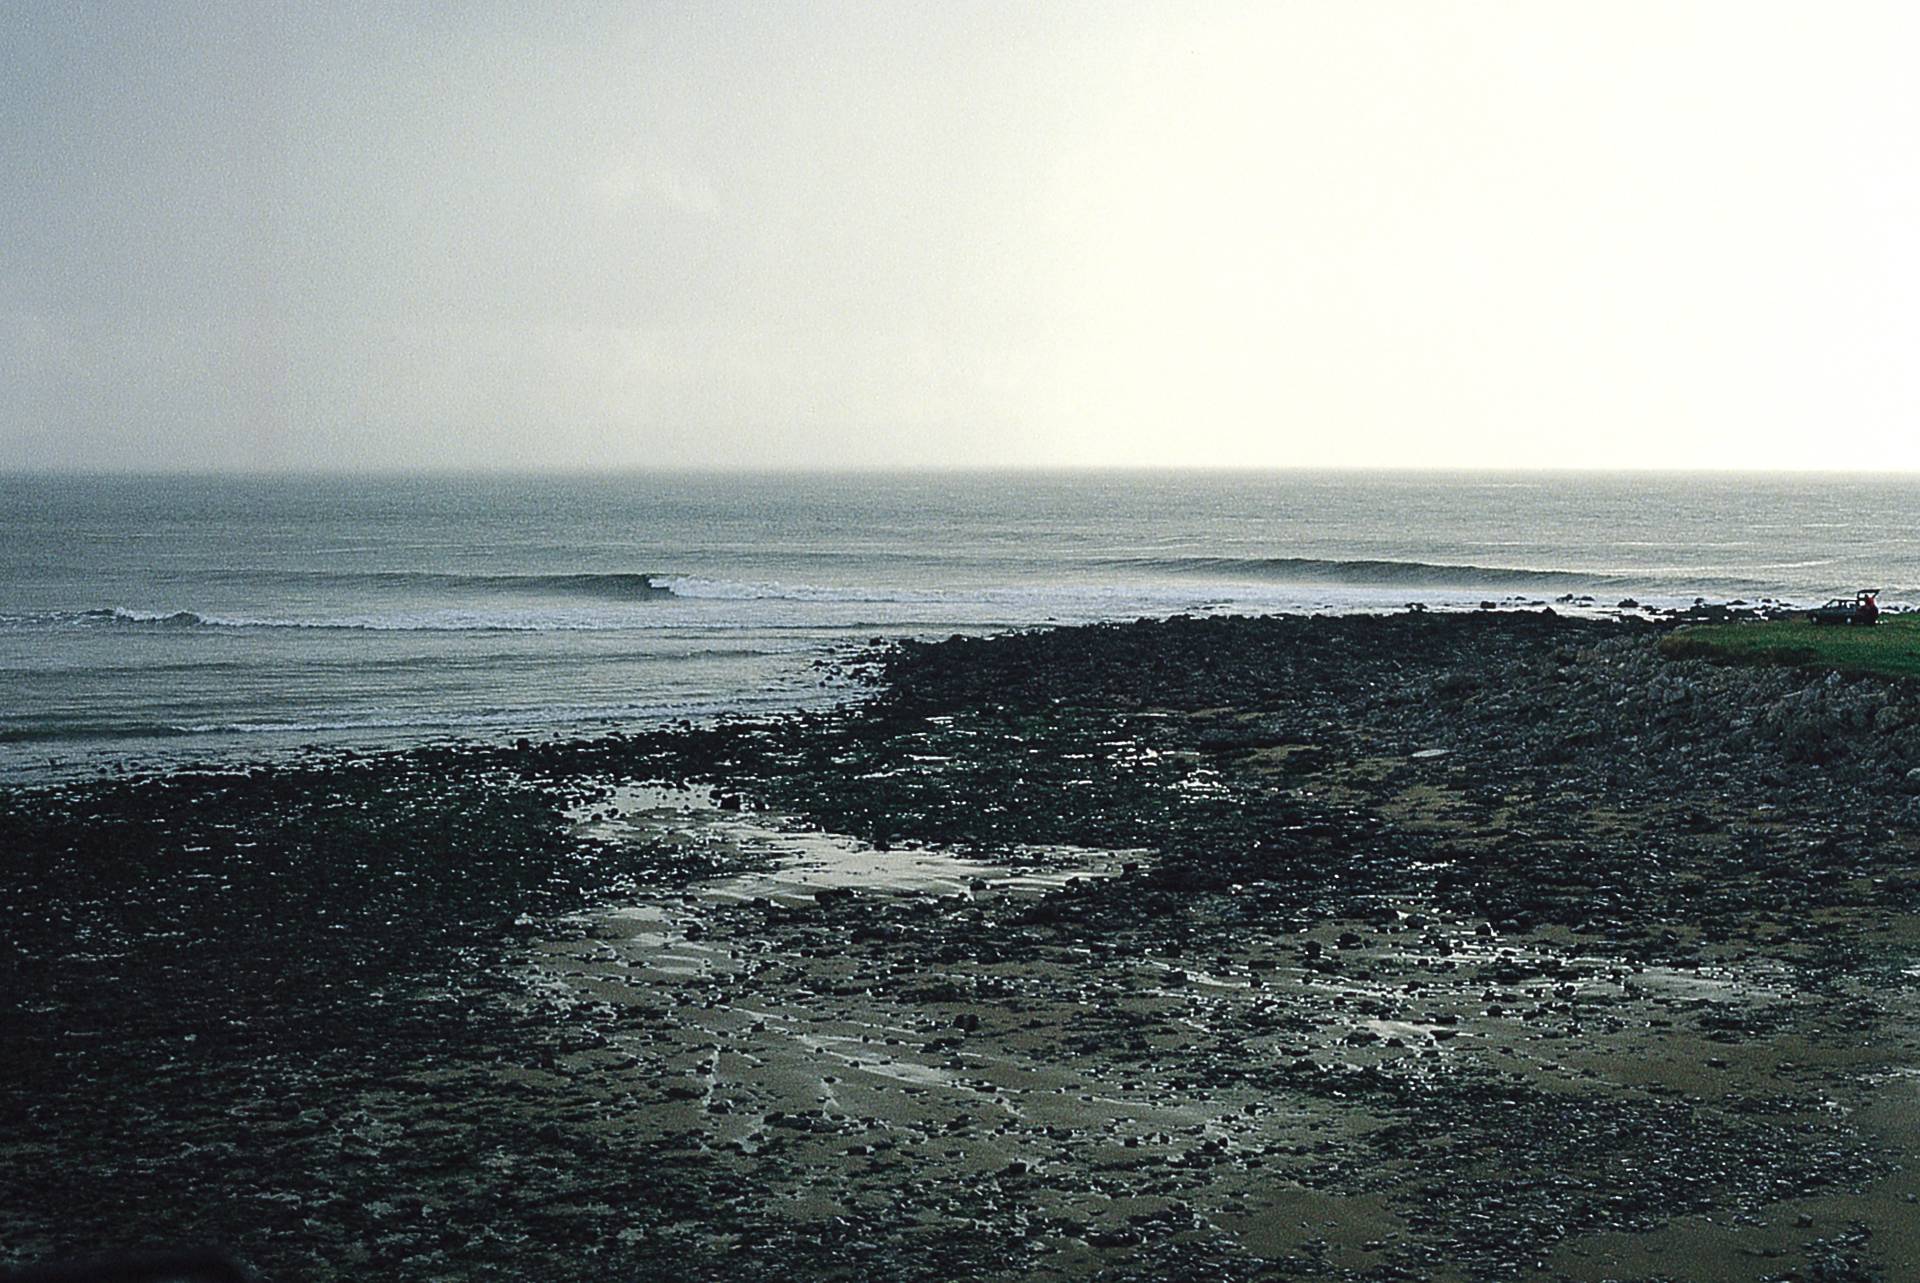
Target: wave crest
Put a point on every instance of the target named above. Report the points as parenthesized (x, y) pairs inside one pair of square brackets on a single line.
[(1373, 572), (598, 586), (450, 621)]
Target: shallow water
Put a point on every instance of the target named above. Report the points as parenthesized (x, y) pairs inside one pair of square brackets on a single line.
[(801, 863)]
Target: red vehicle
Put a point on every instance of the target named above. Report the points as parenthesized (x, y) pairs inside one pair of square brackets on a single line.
[(1860, 609)]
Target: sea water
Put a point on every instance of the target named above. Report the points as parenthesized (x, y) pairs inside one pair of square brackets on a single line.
[(153, 620)]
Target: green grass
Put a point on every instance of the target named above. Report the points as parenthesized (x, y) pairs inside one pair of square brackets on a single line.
[(1890, 648)]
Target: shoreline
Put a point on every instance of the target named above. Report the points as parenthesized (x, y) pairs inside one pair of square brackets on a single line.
[(159, 746), (1489, 946)]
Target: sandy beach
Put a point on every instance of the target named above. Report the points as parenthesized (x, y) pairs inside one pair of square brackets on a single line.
[(1485, 946)]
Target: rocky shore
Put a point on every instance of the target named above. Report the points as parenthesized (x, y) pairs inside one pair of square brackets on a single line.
[(1468, 947)]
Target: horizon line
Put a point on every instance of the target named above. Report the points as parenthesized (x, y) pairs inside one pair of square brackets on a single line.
[(312, 472)]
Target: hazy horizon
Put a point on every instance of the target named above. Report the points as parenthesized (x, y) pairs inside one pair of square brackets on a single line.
[(564, 472), (834, 236)]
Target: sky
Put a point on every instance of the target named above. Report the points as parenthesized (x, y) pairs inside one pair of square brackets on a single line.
[(265, 235)]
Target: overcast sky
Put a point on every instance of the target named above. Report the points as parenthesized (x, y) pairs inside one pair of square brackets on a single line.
[(506, 235)]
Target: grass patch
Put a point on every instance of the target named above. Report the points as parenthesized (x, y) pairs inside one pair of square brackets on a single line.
[(1890, 648)]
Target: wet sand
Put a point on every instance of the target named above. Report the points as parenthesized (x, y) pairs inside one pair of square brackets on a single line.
[(1477, 949)]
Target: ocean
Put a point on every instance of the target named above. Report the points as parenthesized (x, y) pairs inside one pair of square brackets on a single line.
[(150, 621)]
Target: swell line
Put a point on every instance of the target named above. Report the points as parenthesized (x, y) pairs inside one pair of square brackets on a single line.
[(1372, 572)]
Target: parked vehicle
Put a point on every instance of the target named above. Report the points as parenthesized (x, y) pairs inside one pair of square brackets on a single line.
[(1859, 609)]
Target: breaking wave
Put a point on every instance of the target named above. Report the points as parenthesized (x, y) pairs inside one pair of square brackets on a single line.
[(1125, 587), (576, 594), (1367, 573), (612, 586), (423, 621)]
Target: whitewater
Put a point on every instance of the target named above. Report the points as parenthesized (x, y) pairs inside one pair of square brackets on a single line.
[(150, 620)]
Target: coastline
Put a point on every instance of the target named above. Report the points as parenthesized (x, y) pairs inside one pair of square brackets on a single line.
[(240, 620), (1485, 945)]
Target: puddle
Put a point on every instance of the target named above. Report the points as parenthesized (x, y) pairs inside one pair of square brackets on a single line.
[(806, 862), (706, 941)]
